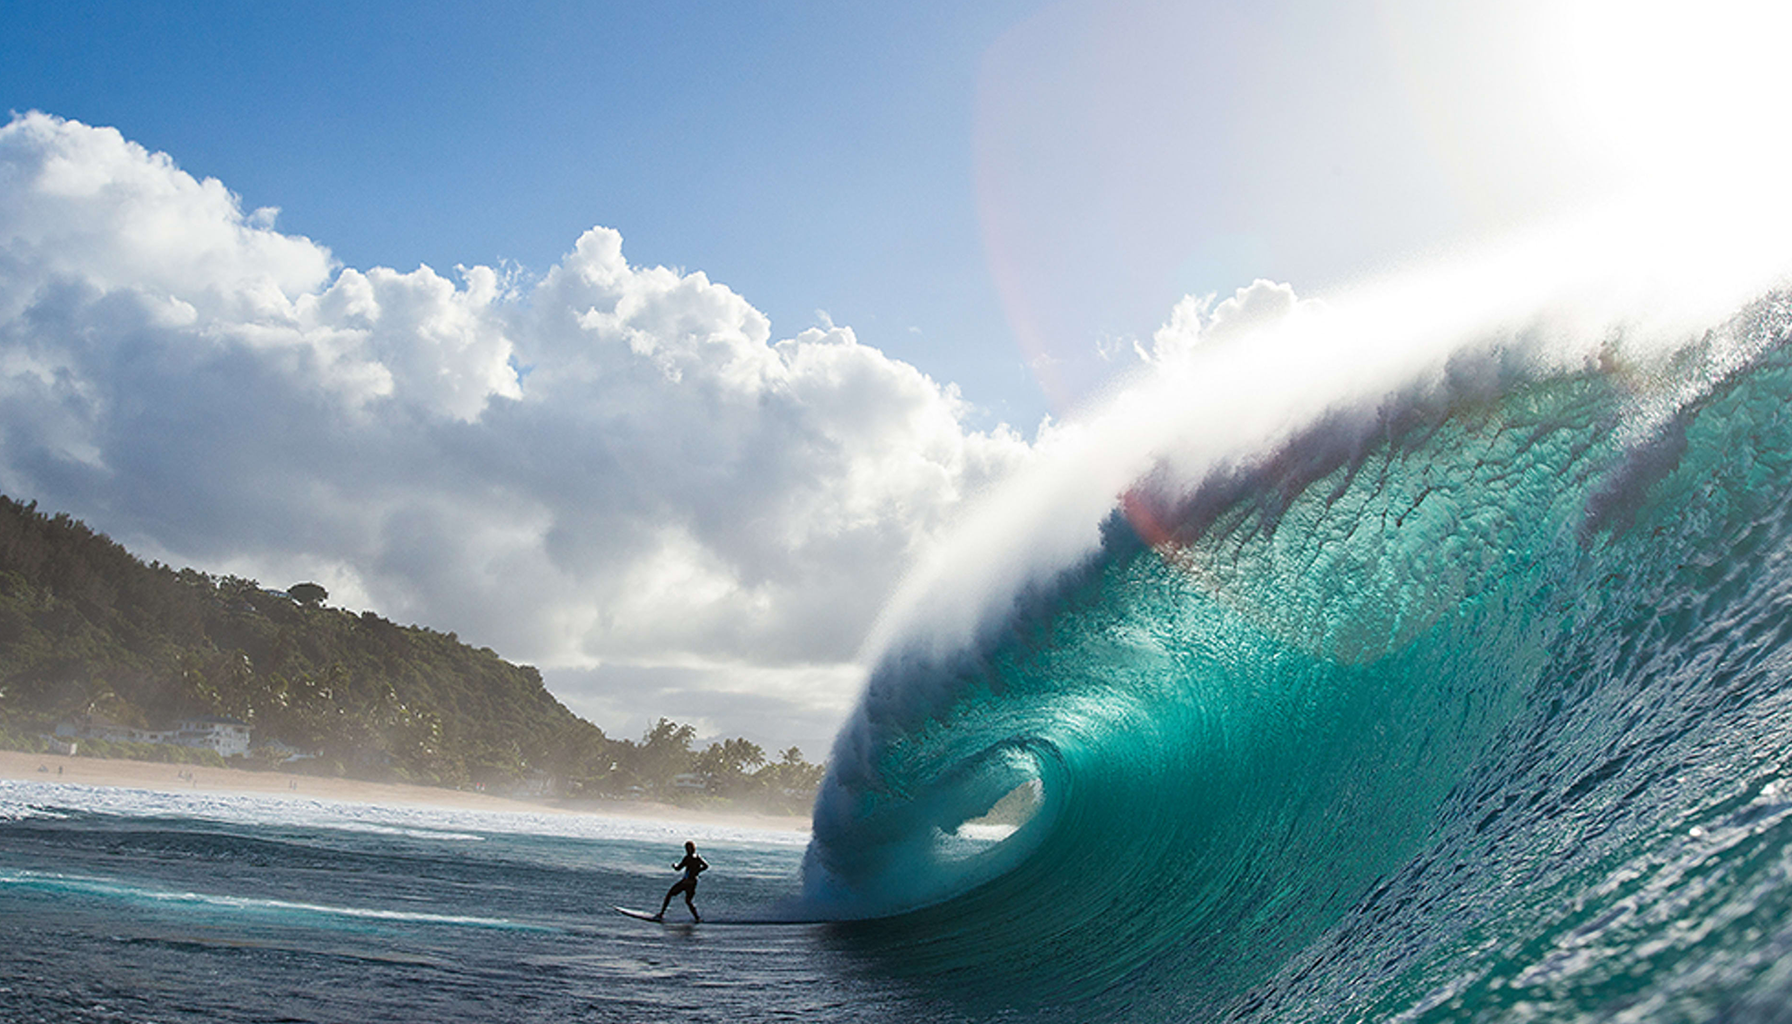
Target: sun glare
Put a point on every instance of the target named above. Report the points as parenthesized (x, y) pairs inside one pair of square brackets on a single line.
[(1687, 93)]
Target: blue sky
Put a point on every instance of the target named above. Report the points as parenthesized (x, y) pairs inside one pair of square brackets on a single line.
[(810, 155), (850, 257), (882, 163)]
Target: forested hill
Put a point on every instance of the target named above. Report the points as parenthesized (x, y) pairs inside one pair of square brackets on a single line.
[(88, 628)]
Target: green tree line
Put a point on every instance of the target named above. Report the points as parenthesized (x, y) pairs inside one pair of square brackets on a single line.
[(87, 628)]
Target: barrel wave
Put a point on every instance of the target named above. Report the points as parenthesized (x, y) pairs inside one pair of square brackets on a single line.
[(1459, 696)]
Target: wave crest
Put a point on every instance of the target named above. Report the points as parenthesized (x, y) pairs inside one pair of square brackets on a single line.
[(1273, 680)]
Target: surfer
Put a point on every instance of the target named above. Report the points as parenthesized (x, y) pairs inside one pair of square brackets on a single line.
[(692, 866)]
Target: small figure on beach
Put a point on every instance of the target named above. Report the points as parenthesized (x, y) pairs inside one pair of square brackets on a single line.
[(692, 866)]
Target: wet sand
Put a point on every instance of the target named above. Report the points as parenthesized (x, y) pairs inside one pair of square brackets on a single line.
[(183, 778)]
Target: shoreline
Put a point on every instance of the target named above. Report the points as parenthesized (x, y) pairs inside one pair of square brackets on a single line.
[(157, 776)]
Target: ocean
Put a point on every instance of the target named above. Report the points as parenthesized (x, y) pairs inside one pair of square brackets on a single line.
[(127, 905), (1462, 697)]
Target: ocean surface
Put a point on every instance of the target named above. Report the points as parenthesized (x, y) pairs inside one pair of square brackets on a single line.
[(1463, 697), (126, 905)]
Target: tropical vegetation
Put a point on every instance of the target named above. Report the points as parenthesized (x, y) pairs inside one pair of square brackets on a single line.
[(89, 631)]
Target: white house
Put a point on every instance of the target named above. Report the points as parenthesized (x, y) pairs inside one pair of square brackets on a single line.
[(228, 736)]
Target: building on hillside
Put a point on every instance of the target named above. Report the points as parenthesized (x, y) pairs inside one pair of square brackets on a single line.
[(228, 736)]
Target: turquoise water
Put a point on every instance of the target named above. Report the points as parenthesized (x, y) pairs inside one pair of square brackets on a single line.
[(1467, 704)]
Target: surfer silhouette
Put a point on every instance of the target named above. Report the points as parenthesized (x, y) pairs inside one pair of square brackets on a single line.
[(692, 866)]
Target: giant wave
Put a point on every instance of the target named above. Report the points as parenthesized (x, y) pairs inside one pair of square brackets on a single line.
[(1454, 692)]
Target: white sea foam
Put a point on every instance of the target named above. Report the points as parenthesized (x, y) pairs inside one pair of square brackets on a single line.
[(31, 799)]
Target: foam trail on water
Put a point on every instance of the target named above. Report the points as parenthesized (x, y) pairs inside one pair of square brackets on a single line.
[(65, 886)]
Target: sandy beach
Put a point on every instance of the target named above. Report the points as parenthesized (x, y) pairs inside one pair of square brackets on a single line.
[(176, 778)]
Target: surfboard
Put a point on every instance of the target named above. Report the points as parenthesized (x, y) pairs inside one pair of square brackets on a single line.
[(639, 915)]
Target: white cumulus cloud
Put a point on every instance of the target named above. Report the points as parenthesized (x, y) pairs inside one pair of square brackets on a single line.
[(615, 472), (1198, 321)]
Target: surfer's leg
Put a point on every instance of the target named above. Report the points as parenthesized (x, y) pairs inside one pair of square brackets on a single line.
[(690, 901)]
